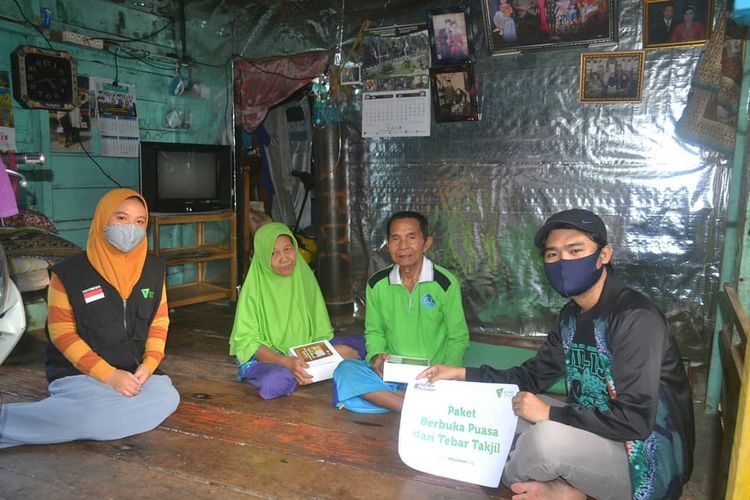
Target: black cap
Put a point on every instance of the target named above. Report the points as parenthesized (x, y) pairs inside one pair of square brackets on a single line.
[(575, 218)]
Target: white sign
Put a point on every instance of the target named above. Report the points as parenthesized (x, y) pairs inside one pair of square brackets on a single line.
[(459, 430)]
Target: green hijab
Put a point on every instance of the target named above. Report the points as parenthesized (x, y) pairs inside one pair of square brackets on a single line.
[(275, 311)]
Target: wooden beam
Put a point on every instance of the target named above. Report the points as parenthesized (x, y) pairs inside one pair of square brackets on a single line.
[(738, 481)]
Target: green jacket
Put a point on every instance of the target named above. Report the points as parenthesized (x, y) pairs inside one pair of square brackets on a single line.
[(428, 322)]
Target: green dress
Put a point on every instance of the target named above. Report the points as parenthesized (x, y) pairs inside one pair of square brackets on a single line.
[(277, 312)]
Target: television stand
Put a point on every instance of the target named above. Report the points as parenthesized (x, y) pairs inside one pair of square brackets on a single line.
[(208, 264)]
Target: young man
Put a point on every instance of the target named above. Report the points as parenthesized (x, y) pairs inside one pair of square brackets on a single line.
[(413, 309), (626, 430)]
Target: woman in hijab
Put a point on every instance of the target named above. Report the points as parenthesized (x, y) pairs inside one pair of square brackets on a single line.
[(280, 306), (107, 327)]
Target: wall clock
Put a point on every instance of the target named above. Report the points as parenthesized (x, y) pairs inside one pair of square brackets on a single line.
[(43, 78)]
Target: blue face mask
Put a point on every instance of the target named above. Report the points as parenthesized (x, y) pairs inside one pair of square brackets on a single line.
[(124, 237), (573, 277)]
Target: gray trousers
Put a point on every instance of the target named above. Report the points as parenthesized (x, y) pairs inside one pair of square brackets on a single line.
[(590, 463), (80, 407)]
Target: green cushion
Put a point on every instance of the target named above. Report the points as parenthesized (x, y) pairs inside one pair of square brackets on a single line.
[(501, 357)]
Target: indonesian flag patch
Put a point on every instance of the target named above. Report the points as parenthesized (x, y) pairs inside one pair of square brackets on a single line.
[(93, 293)]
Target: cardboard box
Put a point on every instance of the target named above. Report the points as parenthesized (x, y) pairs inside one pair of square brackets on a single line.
[(321, 357), (403, 369)]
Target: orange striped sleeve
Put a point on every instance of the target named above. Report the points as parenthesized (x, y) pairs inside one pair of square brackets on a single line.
[(157, 334), (64, 334)]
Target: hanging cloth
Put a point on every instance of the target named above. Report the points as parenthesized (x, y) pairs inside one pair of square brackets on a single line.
[(710, 117), (259, 85), (8, 204)]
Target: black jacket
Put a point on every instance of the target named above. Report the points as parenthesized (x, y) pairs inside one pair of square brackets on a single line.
[(114, 328), (626, 382)]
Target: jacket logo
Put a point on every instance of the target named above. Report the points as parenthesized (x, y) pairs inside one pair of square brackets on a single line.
[(92, 294), (428, 301), (147, 293)]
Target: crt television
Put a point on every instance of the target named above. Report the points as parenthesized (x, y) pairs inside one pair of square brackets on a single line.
[(186, 178)]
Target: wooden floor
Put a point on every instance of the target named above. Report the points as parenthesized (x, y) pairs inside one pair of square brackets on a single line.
[(223, 441)]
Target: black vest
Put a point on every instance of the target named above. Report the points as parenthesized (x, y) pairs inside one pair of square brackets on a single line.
[(115, 329)]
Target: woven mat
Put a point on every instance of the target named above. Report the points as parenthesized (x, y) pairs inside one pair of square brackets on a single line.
[(36, 243)]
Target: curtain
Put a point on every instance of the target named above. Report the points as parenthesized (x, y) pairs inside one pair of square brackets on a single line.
[(259, 85)]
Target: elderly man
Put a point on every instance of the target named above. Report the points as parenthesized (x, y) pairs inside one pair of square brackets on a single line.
[(413, 309), (626, 429)]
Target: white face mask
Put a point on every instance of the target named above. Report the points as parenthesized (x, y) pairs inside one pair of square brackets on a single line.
[(124, 237)]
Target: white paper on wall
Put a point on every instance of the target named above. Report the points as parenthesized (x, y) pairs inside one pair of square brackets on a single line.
[(117, 118)]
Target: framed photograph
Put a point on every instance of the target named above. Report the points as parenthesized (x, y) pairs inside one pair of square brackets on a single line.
[(351, 74), (454, 93), (517, 25), (451, 38), (673, 23), (611, 77)]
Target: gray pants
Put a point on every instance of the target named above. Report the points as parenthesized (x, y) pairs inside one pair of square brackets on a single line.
[(590, 463), (80, 407)]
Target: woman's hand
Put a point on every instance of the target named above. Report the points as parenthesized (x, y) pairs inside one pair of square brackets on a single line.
[(292, 363), (297, 367), (124, 383), (442, 372), (142, 373)]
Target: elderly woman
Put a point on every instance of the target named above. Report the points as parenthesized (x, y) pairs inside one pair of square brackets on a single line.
[(281, 306)]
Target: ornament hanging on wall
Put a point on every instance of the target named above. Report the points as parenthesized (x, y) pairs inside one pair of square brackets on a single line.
[(320, 89)]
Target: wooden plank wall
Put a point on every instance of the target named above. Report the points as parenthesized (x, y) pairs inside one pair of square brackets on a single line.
[(67, 188)]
